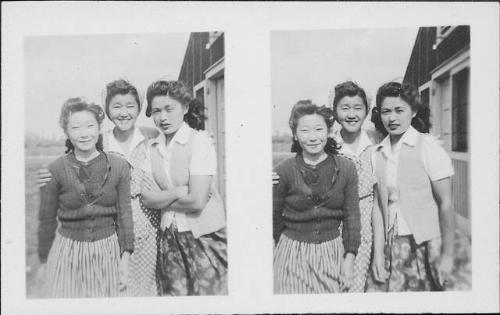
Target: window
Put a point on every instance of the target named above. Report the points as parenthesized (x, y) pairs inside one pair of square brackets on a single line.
[(424, 96), (441, 33), (460, 111)]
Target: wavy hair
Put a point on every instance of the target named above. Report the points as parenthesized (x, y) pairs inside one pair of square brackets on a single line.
[(195, 116), (75, 105), (409, 94), (306, 107), (120, 87), (351, 89)]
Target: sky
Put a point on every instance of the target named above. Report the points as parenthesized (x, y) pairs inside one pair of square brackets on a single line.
[(308, 64), (61, 67)]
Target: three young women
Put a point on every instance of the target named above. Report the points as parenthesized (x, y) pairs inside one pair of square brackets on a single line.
[(143, 275)]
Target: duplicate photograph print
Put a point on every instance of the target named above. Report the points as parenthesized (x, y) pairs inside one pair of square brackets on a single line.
[(124, 151), (371, 160)]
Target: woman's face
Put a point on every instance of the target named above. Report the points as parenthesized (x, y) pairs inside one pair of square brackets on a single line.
[(83, 131), (396, 115), (351, 113), (123, 111), (312, 133), (168, 113)]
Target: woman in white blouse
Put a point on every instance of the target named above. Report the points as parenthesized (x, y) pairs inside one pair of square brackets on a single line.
[(182, 161)]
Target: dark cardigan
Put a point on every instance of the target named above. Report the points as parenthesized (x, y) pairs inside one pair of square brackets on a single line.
[(82, 218), (310, 202)]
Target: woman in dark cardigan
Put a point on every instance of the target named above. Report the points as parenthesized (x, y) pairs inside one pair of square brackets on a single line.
[(316, 193), (89, 194)]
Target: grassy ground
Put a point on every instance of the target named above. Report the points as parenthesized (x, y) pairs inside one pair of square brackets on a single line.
[(35, 158)]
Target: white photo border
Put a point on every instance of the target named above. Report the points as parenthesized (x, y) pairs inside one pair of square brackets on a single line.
[(247, 28)]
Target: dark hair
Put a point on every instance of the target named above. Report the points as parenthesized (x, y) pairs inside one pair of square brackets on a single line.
[(195, 116), (120, 87), (306, 107), (409, 94), (351, 89), (74, 105)]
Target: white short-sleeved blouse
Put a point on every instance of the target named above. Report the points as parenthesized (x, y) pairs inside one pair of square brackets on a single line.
[(435, 160)]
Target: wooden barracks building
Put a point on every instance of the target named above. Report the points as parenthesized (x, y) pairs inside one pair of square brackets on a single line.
[(440, 67), (203, 71)]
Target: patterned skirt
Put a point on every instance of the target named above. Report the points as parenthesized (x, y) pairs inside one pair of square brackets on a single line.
[(362, 261), (193, 266), (82, 269), (411, 267), (301, 267), (143, 279)]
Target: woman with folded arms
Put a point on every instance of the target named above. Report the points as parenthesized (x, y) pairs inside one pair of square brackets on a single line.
[(182, 163)]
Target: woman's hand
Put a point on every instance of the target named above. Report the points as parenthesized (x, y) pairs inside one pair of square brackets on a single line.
[(43, 176), (123, 271), (181, 191), (378, 268), (276, 178), (444, 268), (147, 197), (212, 138), (347, 272), (41, 273)]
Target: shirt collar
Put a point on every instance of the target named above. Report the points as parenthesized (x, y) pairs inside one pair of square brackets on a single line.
[(181, 136), (364, 142), (409, 138), (114, 146)]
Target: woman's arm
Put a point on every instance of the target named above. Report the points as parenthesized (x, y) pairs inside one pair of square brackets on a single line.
[(351, 222), (125, 225), (442, 194), (351, 225), (154, 198), (49, 203), (43, 176), (378, 262), (202, 169), (197, 196), (279, 193)]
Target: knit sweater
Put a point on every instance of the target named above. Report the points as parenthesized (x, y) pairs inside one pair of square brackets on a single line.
[(310, 202), (86, 209)]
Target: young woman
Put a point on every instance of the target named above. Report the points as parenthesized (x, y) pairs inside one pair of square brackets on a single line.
[(89, 194), (182, 163), (414, 189), (350, 108), (122, 106), (317, 191)]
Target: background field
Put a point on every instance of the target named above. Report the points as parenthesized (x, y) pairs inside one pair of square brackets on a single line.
[(35, 158)]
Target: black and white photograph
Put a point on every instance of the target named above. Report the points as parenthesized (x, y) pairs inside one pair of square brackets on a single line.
[(124, 165), (302, 157), (370, 157)]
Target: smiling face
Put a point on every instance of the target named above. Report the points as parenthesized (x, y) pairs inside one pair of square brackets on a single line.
[(123, 111), (83, 131), (168, 113), (396, 115), (351, 113), (311, 134)]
